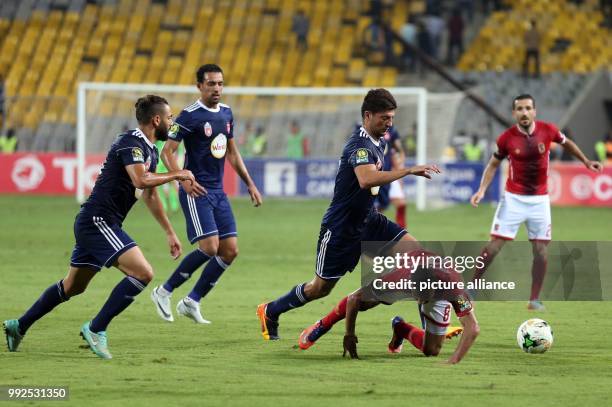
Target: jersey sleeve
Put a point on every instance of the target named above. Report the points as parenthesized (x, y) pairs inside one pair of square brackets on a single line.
[(462, 305), (230, 125), (502, 150), (557, 135), (180, 128), (361, 156), (131, 152)]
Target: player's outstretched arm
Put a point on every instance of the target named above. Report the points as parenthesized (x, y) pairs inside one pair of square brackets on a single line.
[(573, 149), (153, 202), (470, 332), (168, 156), (143, 179), (487, 178), (235, 159), (368, 176), (349, 342)]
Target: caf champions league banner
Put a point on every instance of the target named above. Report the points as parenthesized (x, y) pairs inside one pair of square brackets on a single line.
[(315, 178), (570, 184)]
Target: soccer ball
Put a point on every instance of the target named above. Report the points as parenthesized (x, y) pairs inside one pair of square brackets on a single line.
[(534, 336)]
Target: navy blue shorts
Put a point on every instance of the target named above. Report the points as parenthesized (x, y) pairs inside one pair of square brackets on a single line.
[(338, 254), (98, 244), (208, 215)]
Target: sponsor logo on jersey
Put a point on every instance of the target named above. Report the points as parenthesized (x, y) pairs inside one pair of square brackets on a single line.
[(541, 148), (361, 156), (137, 155), (218, 147), (207, 129)]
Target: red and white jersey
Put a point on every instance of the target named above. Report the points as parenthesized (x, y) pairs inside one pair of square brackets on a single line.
[(528, 155)]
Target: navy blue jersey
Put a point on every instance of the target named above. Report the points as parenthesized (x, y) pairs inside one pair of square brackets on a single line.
[(114, 194), (351, 205), (390, 136), (205, 132)]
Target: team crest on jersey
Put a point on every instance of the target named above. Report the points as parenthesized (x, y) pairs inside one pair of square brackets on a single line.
[(228, 127), (517, 151), (137, 155), (218, 147), (173, 130), (379, 165), (361, 156), (541, 148), (207, 129), (148, 163), (496, 227)]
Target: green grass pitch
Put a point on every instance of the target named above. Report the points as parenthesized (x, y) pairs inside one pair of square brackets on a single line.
[(227, 362)]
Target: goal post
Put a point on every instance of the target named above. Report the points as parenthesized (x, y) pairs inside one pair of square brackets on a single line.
[(327, 114)]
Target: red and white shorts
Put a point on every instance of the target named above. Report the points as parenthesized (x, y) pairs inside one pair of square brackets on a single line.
[(514, 209), (437, 315), (396, 191)]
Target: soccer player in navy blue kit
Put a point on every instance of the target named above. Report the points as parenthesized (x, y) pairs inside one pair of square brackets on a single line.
[(351, 217), (127, 174), (207, 128)]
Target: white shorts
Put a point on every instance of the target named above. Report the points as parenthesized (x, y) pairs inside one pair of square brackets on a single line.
[(514, 209), (395, 190), (437, 316)]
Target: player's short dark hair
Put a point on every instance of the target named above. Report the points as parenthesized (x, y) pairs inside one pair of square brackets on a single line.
[(523, 97), (378, 100), (148, 106), (205, 69)]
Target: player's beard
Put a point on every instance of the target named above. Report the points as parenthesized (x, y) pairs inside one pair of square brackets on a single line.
[(527, 126), (161, 133)]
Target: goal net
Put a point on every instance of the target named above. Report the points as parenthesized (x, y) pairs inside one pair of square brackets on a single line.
[(327, 116)]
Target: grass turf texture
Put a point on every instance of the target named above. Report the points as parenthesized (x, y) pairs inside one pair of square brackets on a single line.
[(227, 363)]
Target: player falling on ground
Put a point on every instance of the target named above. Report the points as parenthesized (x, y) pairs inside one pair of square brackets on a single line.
[(434, 308), (207, 128), (393, 193), (350, 217), (128, 173), (527, 147)]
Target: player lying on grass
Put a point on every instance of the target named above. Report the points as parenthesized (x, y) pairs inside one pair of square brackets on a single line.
[(350, 218), (434, 306), (128, 173)]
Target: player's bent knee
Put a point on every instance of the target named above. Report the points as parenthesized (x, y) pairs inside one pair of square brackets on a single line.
[(434, 351), (143, 273), (229, 254)]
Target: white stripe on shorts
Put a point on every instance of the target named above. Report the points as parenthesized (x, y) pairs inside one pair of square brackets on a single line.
[(195, 219), (322, 249), (108, 233)]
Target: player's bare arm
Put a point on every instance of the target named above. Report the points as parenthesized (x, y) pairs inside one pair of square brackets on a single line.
[(368, 176), (471, 330), (151, 199), (399, 158), (142, 179), (350, 339), (573, 149), (168, 156), (235, 160), (487, 178)]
